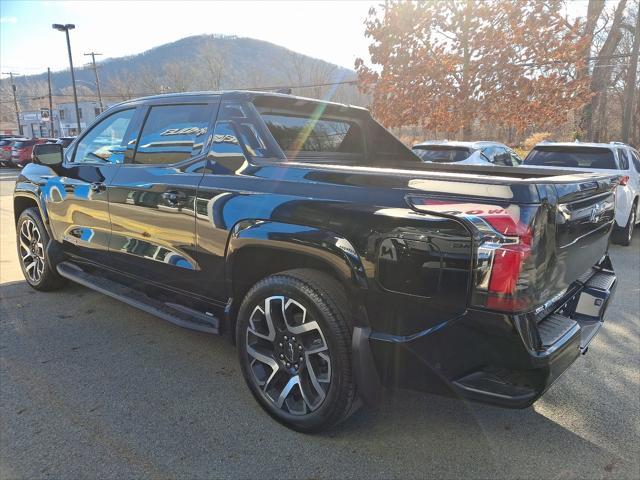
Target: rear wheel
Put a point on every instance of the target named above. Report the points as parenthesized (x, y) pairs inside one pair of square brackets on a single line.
[(32, 240), (294, 340), (623, 235)]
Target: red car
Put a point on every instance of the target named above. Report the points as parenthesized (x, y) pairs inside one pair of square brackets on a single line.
[(5, 150), (21, 151)]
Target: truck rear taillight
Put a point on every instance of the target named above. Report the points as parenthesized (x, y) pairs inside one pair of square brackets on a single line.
[(501, 261), (503, 253), (624, 180)]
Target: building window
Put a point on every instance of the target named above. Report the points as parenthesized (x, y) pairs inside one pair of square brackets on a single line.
[(61, 114), (80, 113), (96, 111)]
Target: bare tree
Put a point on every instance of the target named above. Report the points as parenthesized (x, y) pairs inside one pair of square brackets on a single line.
[(212, 67), (602, 72), (177, 76)]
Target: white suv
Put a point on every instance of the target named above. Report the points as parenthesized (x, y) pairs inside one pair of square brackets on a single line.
[(615, 157)]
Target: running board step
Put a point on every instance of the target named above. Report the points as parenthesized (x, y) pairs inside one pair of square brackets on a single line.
[(171, 312)]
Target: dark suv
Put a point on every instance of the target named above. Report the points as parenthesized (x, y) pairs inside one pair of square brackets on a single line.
[(335, 260)]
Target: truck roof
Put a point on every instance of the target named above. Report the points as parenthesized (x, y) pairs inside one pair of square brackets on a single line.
[(246, 95)]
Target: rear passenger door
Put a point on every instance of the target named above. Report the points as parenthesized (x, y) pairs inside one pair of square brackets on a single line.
[(152, 196)]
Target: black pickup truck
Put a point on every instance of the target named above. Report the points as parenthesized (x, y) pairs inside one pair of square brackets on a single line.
[(337, 262)]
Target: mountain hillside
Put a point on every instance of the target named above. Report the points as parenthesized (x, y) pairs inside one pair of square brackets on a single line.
[(203, 62)]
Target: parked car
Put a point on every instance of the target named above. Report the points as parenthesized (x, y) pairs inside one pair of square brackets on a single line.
[(21, 151), (335, 260), (467, 153), (611, 158), (65, 141), (5, 150)]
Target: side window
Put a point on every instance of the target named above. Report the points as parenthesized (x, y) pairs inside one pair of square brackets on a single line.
[(233, 127), (104, 142), (515, 159), (172, 133), (623, 159), (502, 157), (489, 153), (635, 158)]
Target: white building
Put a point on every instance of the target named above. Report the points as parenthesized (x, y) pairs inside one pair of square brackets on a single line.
[(34, 123)]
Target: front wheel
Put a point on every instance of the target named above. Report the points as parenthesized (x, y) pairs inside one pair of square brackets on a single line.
[(294, 342), (32, 240)]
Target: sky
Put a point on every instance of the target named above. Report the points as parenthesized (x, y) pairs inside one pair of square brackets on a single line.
[(330, 30)]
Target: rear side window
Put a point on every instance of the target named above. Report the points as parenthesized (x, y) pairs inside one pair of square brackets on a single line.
[(172, 133), (498, 156), (441, 153), (623, 159), (303, 134), (635, 159), (576, 157), (26, 143)]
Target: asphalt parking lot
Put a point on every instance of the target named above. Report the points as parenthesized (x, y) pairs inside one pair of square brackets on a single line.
[(90, 387)]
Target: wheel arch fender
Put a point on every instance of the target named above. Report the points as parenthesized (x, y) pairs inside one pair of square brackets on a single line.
[(23, 199), (333, 250)]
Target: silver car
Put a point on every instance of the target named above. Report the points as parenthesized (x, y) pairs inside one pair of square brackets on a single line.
[(467, 153)]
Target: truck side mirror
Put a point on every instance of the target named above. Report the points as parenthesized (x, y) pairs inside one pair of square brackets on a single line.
[(49, 154)]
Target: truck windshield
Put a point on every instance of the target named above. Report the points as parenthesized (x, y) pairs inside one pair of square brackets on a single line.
[(441, 153), (577, 157)]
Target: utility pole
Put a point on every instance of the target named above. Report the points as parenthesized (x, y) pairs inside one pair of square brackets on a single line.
[(631, 82), (95, 71), (53, 129), (15, 100)]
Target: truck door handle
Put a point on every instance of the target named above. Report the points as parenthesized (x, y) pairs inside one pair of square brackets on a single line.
[(173, 197), (98, 187)]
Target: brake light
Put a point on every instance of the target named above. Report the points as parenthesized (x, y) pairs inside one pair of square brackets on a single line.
[(503, 254), (506, 253), (624, 180)]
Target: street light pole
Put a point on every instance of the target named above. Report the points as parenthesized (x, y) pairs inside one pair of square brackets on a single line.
[(65, 29)]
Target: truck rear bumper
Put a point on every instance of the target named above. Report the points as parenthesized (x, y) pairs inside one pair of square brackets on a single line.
[(459, 359)]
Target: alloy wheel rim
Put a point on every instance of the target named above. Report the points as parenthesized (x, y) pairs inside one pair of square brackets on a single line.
[(31, 250), (288, 355)]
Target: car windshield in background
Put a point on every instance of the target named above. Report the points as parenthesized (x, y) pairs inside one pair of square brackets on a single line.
[(441, 154), (304, 134), (4, 143), (576, 157)]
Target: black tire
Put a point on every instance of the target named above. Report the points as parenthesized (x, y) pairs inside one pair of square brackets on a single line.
[(324, 299), (622, 235), (47, 277)]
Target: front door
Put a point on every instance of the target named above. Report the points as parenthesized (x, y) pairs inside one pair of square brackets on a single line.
[(152, 197), (77, 199)]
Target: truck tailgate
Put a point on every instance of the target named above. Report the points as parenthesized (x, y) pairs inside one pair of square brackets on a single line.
[(585, 216)]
